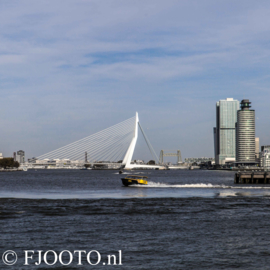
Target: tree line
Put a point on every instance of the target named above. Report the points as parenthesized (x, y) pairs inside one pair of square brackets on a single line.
[(9, 163)]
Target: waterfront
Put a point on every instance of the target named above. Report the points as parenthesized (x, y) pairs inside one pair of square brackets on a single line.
[(183, 220)]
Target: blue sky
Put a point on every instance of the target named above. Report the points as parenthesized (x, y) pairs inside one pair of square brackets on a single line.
[(71, 68)]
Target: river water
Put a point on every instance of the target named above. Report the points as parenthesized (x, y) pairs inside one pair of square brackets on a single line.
[(182, 220)]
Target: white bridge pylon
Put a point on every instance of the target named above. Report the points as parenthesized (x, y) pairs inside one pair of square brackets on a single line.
[(112, 144), (129, 154)]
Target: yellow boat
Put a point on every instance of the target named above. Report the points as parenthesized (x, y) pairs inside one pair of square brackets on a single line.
[(134, 180)]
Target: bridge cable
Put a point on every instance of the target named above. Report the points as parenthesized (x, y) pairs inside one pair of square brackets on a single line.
[(154, 155)]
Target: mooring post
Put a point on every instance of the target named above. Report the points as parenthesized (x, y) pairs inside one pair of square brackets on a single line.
[(239, 177), (265, 177), (236, 178)]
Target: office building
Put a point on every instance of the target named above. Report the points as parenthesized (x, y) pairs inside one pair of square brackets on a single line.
[(245, 134), (224, 132), (20, 156), (265, 157)]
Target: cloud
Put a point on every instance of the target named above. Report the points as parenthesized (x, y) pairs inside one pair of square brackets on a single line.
[(64, 64), (11, 59)]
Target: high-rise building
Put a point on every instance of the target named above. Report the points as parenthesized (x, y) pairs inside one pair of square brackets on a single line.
[(20, 156), (224, 132), (245, 133)]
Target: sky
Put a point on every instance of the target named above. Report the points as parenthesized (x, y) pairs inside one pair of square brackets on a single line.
[(69, 69)]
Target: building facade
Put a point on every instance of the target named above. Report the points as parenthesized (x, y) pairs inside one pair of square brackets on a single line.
[(20, 156), (198, 160), (224, 132), (245, 133), (265, 157)]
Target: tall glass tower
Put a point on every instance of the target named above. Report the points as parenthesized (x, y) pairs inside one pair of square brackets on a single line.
[(245, 133), (224, 132)]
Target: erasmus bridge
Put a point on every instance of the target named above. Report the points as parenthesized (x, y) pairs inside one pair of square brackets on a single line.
[(116, 143)]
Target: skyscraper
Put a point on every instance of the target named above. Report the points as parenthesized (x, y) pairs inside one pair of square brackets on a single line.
[(20, 156), (224, 132), (245, 133)]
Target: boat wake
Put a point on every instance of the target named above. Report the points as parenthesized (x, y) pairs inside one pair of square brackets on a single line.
[(132, 173), (199, 185)]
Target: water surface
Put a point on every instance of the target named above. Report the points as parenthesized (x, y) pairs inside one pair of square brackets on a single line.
[(182, 220)]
